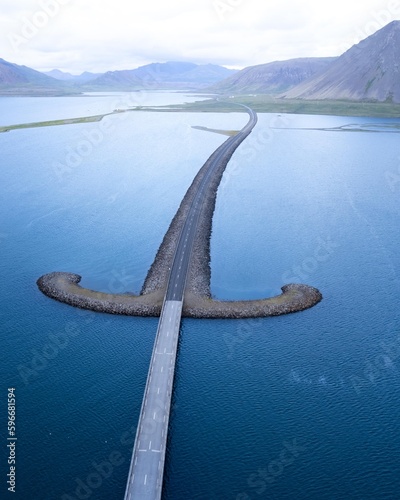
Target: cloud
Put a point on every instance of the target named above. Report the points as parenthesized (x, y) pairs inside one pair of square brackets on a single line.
[(81, 35)]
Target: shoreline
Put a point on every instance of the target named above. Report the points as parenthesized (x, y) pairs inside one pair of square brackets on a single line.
[(261, 104)]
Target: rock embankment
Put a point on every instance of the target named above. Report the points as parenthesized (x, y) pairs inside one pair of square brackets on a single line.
[(65, 287), (157, 276), (294, 298)]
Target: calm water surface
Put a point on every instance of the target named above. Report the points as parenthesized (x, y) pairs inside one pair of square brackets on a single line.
[(304, 406)]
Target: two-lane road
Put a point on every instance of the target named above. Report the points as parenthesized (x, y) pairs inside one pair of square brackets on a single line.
[(179, 270), (147, 466)]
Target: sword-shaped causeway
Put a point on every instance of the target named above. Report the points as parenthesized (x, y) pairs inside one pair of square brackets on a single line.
[(147, 466), (176, 285)]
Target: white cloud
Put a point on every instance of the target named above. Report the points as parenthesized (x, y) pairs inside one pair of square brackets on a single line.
[(78, 35)]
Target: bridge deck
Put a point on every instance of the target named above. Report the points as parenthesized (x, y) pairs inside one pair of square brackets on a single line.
[(147, 466)]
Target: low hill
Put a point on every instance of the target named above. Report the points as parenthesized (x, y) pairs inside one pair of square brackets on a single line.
[(368, 71), (272, 78)]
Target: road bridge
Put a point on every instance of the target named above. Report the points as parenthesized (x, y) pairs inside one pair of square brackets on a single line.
[(146, 472)]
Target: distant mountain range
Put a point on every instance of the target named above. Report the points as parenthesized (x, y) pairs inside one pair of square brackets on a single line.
[(21, 79), (369, 71), (272, 78), (68, 77), (169, 75)]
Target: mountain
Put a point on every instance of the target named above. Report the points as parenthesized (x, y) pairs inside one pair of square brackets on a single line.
[(169, 75), (368, 71), (21, 80), (68, 77), (16, 79), (12, 75), (121, 80), (272, 78), (86, 76), (59, 75)]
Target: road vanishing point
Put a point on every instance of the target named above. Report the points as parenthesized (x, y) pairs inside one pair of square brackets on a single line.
[(146, 471)]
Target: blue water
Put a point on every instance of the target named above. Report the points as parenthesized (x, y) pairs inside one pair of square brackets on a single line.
[(302, 406), (15, 110)]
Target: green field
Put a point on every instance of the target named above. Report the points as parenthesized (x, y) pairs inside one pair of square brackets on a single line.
[(260, 103), (54, 123), (269, 104)]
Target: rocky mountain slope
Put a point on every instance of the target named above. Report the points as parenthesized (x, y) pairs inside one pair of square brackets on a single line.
[(272, 78), (368, 71)]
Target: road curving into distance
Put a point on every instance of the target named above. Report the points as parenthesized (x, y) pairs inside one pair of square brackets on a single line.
[(183, 259)]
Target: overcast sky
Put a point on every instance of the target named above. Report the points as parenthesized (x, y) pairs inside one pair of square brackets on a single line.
[(101, 35)]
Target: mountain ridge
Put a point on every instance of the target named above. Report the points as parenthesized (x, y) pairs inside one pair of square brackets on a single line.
[(172, 75), (84, 77), (368, 71), (13, 74), (274, 77)]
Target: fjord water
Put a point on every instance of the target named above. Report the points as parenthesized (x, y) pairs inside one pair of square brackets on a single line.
[(302, 406)]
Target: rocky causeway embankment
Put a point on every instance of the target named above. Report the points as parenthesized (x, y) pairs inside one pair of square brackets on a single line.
[(65, 287)]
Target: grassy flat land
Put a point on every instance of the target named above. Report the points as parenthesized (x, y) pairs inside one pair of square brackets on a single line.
[(269, 104), (260, 103), (54, 123)]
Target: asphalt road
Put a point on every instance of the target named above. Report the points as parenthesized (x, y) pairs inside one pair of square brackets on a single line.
[(181, 261), (147, 466)]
